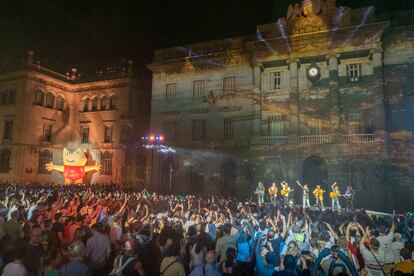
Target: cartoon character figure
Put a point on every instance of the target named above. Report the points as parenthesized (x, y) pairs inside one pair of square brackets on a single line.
[(73, 168)]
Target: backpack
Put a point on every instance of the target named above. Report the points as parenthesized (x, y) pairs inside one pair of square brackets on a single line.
[(119, 266)]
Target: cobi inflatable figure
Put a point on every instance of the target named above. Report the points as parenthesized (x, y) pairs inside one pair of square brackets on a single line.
[(73, 168)]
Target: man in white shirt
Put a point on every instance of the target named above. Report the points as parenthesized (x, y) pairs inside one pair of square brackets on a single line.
[(385, 241), (374, 258), (207, 269)]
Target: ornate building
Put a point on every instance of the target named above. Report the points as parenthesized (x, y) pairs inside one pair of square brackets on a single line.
[(323, 95), (42, 111)]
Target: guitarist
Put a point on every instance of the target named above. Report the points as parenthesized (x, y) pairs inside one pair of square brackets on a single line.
[(260, 191), (273, 194), (349, 196), (318, 193), (285, 192), (335, 194), (305, 195)]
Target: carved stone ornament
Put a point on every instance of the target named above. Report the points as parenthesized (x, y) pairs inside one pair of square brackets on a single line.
[(188, 66), (234, 57), (310, 21)]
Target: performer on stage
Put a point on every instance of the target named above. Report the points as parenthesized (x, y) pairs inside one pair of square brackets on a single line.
[(318, 193), (285, 192), (260, 191), (349, 196), (305, 195), (335, 194), (273, 194)]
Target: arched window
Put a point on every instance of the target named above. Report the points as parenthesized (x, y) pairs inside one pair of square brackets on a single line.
[(60, 103), (12, 96), (39, 95), (45, 157), (86, 105), (5, 161), (106, 160), (104, 104), (50, 100), (95, 103), (112, 102)]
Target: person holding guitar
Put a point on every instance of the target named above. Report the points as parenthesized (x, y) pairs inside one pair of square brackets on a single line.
[(349, 196), (273, 194), (335, 194), (285, 192), (260, 192), (305, 195), (318, 193)]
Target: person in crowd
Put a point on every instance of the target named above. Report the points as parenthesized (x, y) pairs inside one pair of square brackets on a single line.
[(76, 265), (34, 251), (228, 240), (406, 265), (209, 268), (98, 249), (171, 265), (16, 267)]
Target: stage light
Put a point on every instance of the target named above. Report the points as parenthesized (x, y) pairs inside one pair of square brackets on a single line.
[(151, 138), (146, 138), (161, 138), (157, 138)]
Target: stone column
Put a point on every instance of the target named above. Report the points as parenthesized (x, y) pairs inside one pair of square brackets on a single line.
[(379, 118), (257, 104), (293, 99), (334, 93)]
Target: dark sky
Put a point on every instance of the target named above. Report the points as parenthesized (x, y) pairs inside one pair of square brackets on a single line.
[(85, 33)]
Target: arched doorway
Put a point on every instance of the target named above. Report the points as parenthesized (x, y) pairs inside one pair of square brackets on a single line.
[(167, 175), (315, 172), (196, 180), (228, 178)]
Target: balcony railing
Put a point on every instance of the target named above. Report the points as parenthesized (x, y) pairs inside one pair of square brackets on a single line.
[(358, 138), (315, 139), (321, 139), (268, 140)]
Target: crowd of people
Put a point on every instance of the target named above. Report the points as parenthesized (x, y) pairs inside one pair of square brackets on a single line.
[(113, 230)]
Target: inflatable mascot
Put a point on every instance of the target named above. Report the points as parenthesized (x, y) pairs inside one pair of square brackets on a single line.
[(73, 168)]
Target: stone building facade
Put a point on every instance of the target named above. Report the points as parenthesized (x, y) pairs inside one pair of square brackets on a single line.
[(323, 95), (42, 111)]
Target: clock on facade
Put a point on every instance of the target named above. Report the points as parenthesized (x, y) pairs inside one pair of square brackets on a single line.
[(313, 72)]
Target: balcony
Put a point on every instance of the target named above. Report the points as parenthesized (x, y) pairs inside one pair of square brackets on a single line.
[(269, 140), (315, 139), (358, 138)]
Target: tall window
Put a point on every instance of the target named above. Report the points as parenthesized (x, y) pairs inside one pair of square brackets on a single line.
[(50, 100), (276, 125), (227, 131), (198, 88), (169, 130), (8, 129), (108, 134), (45, 157), (170, 90), (106, 160), (59, 103), (104, 103), (86, 105), (199, 129), (12, 96), (315, 126), (95, 102), (354, 72), (3, 98), (47, 132), (277, 80), (5, 160), (85, 135), (229, 85), (112, 102), (39, 95)]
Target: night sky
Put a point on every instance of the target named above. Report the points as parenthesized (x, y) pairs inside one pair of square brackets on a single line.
[(85, 33)]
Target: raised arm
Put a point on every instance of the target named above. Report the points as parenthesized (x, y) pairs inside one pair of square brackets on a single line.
[(297, 181)]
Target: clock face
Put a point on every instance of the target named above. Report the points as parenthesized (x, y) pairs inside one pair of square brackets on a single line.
[(313, 71)]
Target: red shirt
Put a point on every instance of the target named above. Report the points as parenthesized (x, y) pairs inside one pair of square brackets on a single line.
[(73, 172)]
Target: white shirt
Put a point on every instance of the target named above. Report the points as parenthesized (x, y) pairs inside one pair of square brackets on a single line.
[(386, 247), (396, 250), (14, 269), (371, 264)]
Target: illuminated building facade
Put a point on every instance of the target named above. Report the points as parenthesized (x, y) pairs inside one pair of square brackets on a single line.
[(42, 111), (323, 95)]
